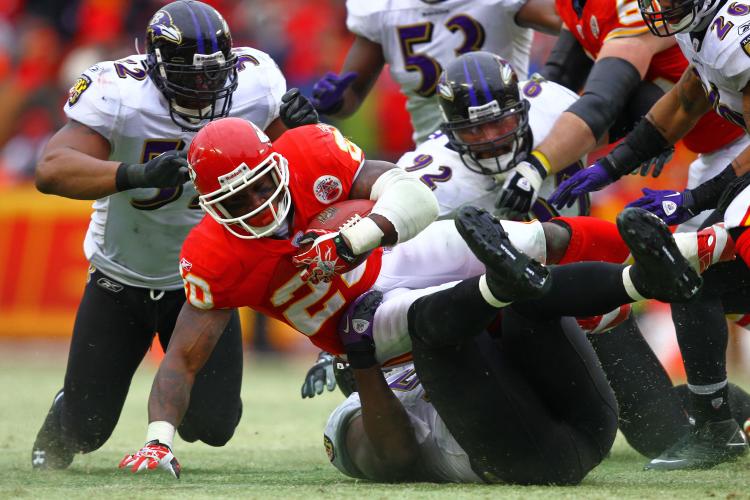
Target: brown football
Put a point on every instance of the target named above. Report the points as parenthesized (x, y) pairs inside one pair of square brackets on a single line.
[(333, 217)]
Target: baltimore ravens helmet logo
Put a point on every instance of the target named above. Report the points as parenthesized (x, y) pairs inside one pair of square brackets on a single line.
[(162, 27), (445, 91)]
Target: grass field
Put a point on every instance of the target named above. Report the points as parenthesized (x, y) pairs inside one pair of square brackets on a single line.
[(276, 452)]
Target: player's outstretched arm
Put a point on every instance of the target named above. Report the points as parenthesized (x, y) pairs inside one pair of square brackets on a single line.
[(619, 68), (382, 442), (668, 120), (342, 94), (73, 166), (193, 340)]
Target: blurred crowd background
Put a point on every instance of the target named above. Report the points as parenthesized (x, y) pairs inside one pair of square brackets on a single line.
[(45, 44)]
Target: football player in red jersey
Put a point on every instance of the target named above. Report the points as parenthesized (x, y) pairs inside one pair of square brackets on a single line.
[(129, 122), (249, 251)]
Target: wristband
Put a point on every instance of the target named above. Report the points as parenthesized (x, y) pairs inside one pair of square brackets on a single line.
[(363, 236), (361, 359), (122, 183), (161, 431), (542, 164)]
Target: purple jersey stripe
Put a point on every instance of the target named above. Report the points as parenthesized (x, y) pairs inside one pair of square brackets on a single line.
[(483, 81), (470, 84), (211, 29), (201, 48)]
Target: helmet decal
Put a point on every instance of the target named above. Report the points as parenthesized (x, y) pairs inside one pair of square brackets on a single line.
[(162, 27), (445, 91)]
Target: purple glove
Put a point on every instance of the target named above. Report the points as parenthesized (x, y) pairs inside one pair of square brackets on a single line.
[(327, 93), (584, 181), (355, 329), (673, 207)]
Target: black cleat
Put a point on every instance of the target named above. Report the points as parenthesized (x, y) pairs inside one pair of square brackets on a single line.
[(49, 451), (511, 274), (703, 447), (660, 271)]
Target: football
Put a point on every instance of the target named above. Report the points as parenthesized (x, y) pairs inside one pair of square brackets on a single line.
[(332, 218)]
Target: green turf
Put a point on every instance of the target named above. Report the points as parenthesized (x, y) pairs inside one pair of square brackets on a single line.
[(276, 452)]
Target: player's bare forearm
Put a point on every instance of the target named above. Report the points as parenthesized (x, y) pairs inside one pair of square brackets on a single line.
[(366, 59), (679, 109), (741, 163), (386, 422), (170, 392), (570, 139), (539, 15), (193, 340), (74, 165)]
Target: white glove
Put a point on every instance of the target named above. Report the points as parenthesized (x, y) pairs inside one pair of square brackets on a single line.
[(521, 187), (153, 455)]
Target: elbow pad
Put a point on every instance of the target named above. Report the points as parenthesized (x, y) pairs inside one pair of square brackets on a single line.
[(405, 201), (607, 89)]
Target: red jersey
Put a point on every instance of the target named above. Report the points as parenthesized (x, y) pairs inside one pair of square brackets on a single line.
[(603, 20), (220, 270)]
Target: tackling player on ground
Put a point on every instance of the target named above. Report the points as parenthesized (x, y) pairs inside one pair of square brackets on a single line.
[(529, 404), (490, 119)]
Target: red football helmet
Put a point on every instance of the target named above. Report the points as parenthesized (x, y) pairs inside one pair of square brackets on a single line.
[(229, 155)]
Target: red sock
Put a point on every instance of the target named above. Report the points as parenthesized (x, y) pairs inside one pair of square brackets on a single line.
[(742, 246), (593, 239)]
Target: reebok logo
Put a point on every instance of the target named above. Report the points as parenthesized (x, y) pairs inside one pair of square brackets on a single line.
[(109, 285)]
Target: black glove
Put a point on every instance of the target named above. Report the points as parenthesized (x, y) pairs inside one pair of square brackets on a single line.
[(318, 376), (657, 162), (297, 110), (169, 169)]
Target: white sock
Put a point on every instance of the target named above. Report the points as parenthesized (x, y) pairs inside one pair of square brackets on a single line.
[(630, 289), (527, 237), (705, 390), (484, 289)]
